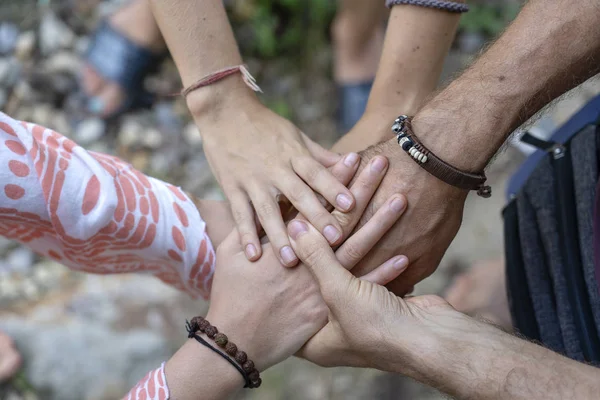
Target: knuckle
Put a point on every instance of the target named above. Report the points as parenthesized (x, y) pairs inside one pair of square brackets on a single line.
[(345, 220), (300, 194), (266, 209), (239, 216), (353, 251)]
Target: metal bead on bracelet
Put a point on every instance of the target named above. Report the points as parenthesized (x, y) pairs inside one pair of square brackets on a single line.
[(407, 145)]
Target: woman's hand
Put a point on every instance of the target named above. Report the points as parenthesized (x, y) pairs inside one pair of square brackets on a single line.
[(269, 311), (258, 156), (368, 325)]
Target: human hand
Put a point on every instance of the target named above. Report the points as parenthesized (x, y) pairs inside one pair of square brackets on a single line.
[(257, 156), (368, 325), (273, 311), (429, 224)]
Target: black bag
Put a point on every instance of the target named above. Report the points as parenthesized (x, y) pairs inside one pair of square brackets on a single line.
[(549, 240)]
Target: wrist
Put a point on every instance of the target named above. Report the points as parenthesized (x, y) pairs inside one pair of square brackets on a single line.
[(459, 141), (245, 339), (219, 100)]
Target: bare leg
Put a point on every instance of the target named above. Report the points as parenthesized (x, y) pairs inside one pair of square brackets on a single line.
[(358, 33), (136, 22)]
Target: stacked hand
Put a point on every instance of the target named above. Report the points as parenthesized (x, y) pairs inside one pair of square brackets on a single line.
[(258, 157), (272, 311), (432, 218)]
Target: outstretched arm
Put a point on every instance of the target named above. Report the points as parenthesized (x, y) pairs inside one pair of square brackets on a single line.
[(425, 338), (547, 50), (417, 41), (255, 154)]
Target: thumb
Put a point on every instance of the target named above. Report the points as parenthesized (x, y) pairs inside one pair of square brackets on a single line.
[(314, 251), (326, 157)]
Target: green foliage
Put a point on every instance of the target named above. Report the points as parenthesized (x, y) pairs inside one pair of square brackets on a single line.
[(489, 20), (273, 28)]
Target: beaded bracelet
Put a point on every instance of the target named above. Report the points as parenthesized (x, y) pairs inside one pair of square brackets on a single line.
[(449, 6), (244, 365)]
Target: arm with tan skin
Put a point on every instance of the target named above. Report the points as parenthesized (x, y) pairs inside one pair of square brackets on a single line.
[(274, 310), (254, 153), (549, 48), (426, 339), (417, 41)]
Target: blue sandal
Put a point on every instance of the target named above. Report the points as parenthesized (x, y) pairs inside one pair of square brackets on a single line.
[(117, 59)]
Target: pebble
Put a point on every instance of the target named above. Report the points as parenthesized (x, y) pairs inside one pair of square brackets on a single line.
[(131, 132), (3, 99), (89, 131), (42, 114), (153, 139), (191, 134), (10, 71), (30, 290), (63, 61), (21, 259), (25, 45), (54, 34), (9, 33)]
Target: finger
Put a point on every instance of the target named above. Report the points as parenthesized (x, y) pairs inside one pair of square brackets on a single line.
[(343, 171), (306, 202), (362, 189), (269, 214), (321, 180), (387, 272), (243, 215), (356, 247), (326, 157), (314, 251)]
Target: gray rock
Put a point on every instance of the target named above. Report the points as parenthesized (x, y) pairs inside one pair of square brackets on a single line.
[(3, 98), (42, 114), (54, 34), (152, 139), (25, 45), (9, 33), (89, 131), (131, 132), (21, 259), (63, 61), (191, 134), (10, 71), (75, 361)]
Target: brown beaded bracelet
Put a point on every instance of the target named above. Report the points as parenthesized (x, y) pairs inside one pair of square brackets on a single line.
[(242, 363)]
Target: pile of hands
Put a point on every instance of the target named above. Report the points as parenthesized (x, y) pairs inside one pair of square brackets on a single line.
[(328, 286)]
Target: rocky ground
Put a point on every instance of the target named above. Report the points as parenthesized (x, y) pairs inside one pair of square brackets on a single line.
[(92, 337)]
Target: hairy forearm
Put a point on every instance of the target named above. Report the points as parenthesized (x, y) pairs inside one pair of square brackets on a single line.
[(550, 48), (201, 41), (479, 361), (416, 43)]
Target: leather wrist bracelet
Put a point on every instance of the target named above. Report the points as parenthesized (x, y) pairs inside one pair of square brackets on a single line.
[(445, 172)]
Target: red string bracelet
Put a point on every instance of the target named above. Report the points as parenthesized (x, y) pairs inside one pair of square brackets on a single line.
[(223, 73)]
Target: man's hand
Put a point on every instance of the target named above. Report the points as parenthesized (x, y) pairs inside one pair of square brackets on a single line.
[(425, 338), (427, 228)]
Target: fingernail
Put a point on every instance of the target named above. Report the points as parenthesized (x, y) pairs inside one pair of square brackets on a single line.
[(287, 255), (400, 263), (331, 234), (351, 159), (295, 228), (378, 164), (397, 204), (344, 201), (251, 251)]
